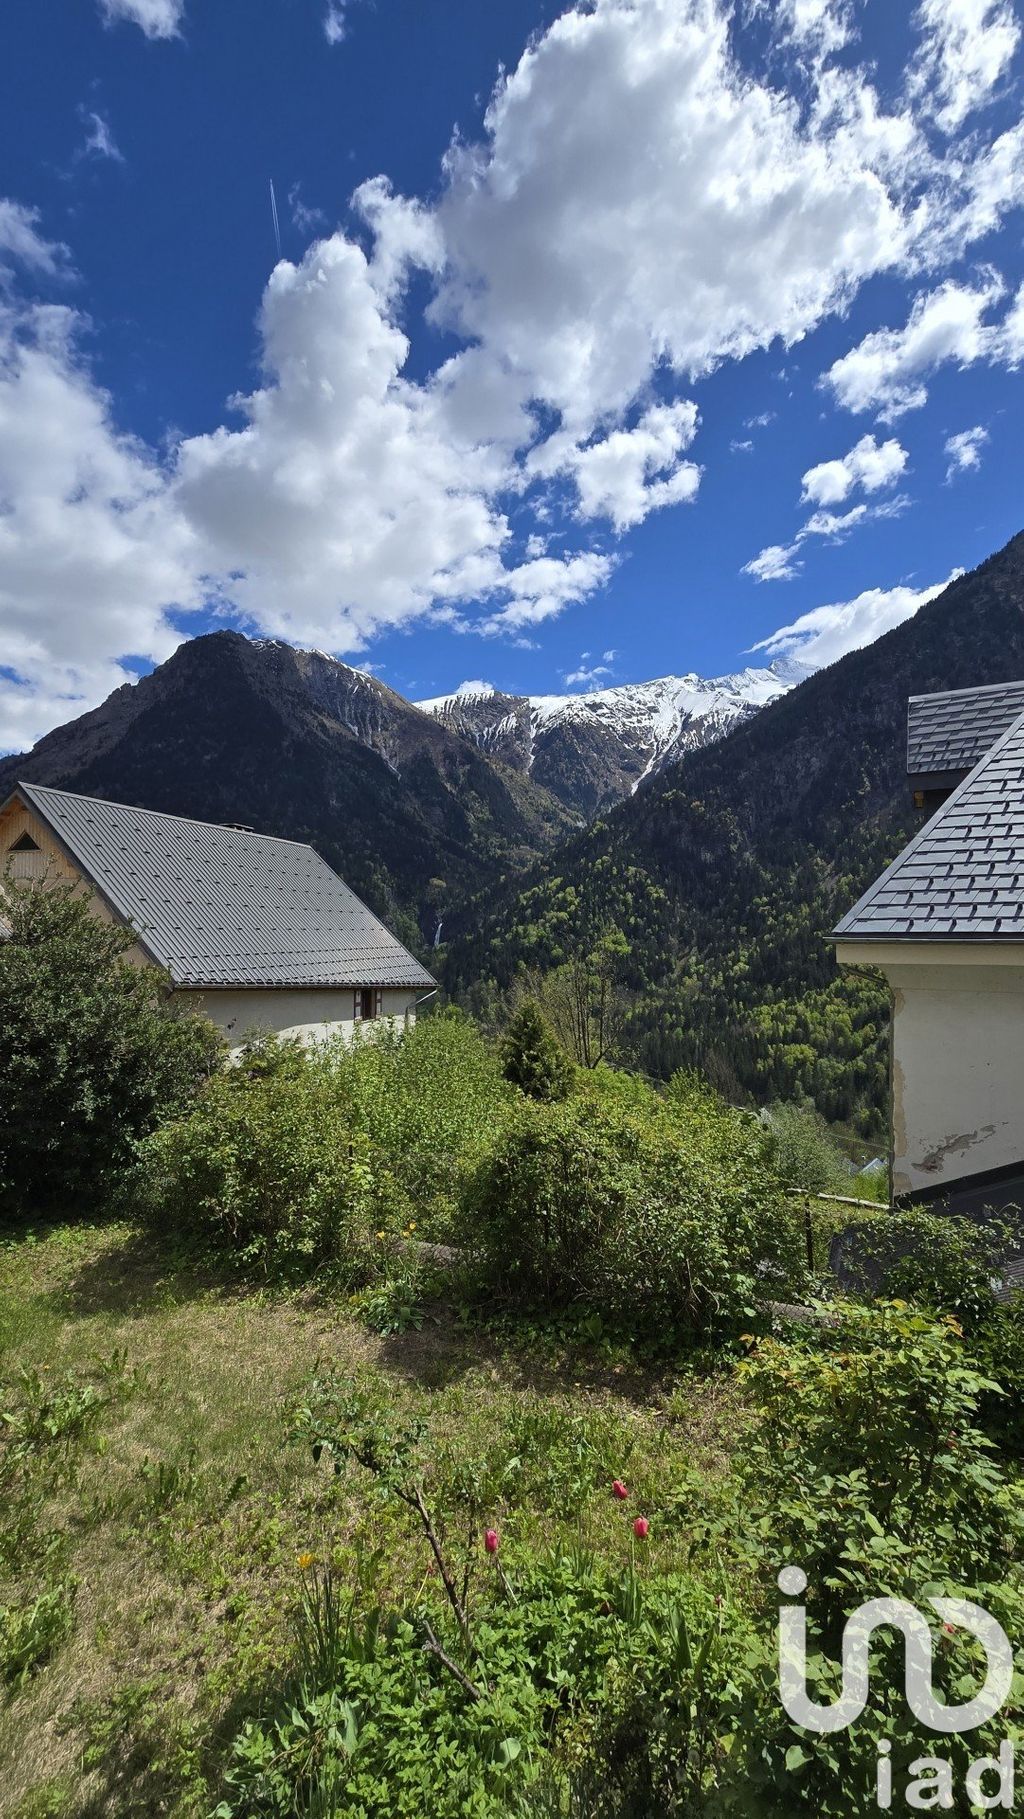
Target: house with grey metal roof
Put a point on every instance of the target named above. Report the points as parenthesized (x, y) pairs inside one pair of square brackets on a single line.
[(945, 924), (256, 931)]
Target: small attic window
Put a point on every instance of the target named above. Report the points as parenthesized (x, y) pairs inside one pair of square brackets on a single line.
[(25, 844)]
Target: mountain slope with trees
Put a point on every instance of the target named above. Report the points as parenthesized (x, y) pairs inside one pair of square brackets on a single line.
[(726, 873)]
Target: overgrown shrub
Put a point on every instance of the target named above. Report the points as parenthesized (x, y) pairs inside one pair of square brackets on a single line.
[(429, 1100), (662, 1216), (265, 1169), (996, 1345), (92, 1053)]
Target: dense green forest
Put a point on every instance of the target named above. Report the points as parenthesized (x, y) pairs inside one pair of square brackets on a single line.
[(724, 876)]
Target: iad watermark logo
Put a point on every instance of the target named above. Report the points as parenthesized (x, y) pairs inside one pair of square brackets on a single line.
[(932, 1784)]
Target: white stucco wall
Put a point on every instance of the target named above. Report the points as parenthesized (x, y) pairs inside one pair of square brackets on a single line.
[(311, 1015), (957, 1062)]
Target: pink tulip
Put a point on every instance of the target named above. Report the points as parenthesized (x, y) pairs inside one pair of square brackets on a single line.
[(640, 1528), (491, 1540), (619, 1489)]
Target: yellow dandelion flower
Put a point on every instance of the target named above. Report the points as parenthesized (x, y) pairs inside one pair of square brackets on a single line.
[(305, 1561)]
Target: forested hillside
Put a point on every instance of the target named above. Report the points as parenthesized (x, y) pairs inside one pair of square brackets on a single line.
[(727, 873)]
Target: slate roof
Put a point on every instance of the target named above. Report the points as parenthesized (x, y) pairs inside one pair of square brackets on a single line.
[(220, 907), (962, 877), (951, 732)]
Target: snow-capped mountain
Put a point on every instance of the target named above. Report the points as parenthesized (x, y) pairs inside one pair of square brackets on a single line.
[(593, 749)]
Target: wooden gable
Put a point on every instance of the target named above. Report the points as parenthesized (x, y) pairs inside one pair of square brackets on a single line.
[(30, 853)]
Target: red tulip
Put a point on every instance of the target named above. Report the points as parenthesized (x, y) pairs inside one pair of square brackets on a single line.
[(491, 1540), (619, 1489), (640, 1528)]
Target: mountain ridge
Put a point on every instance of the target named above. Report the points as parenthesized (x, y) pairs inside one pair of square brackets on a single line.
[(593, 748)]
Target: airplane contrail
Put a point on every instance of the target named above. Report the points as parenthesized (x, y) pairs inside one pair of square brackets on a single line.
[(273, 210)]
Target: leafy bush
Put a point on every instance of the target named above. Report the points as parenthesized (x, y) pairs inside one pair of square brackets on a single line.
[(428, 1099), (92, 1053), (996, 1345), (870, 1429), (265, 1169), (805, 1153), (532, 1057), (865, 1467), (939, 1260), (662, 1216)]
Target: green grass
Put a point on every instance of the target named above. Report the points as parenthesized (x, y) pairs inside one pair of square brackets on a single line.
[(179, 1512)]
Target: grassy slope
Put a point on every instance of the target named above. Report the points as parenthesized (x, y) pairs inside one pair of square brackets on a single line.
[(187, 1581)]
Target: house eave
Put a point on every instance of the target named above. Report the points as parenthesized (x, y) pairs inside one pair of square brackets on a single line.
[(885, 952)]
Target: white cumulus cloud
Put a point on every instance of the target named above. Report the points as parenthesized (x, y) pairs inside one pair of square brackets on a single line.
[(91, 552), (629, 472), (869, 465), (99, 139), (964, 450), (827, 632), (887, 371), (21, 242), (780, 561), (637, 200), (157, 18), (334, 21)]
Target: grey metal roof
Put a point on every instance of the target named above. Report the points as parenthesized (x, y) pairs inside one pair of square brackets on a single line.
[(220, 907), (951, 732), (962, 877)]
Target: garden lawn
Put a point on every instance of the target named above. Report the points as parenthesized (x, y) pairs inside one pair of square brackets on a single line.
[(177, 1508)]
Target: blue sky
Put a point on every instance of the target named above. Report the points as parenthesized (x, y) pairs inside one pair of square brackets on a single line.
[(653, 328)]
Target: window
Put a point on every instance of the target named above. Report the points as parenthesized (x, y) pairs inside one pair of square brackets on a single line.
[(25, 860), (369, 1003)]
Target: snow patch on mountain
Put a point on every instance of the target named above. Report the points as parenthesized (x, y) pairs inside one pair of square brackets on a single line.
[(654, 722)]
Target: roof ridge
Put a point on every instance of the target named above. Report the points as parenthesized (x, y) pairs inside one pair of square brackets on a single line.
[(160, 814), (953, 694)]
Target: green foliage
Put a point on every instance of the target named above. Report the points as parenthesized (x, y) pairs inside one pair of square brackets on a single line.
[(31, 1635), (956, 1266), (805, 1154), (584, 998), (659, 1214), (865, 1466), (265, 1169), (936, 1259), (91, 1052), (996, 1345), (428, 1099), (532, 1058), (564, 1647), (866, 1449)]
